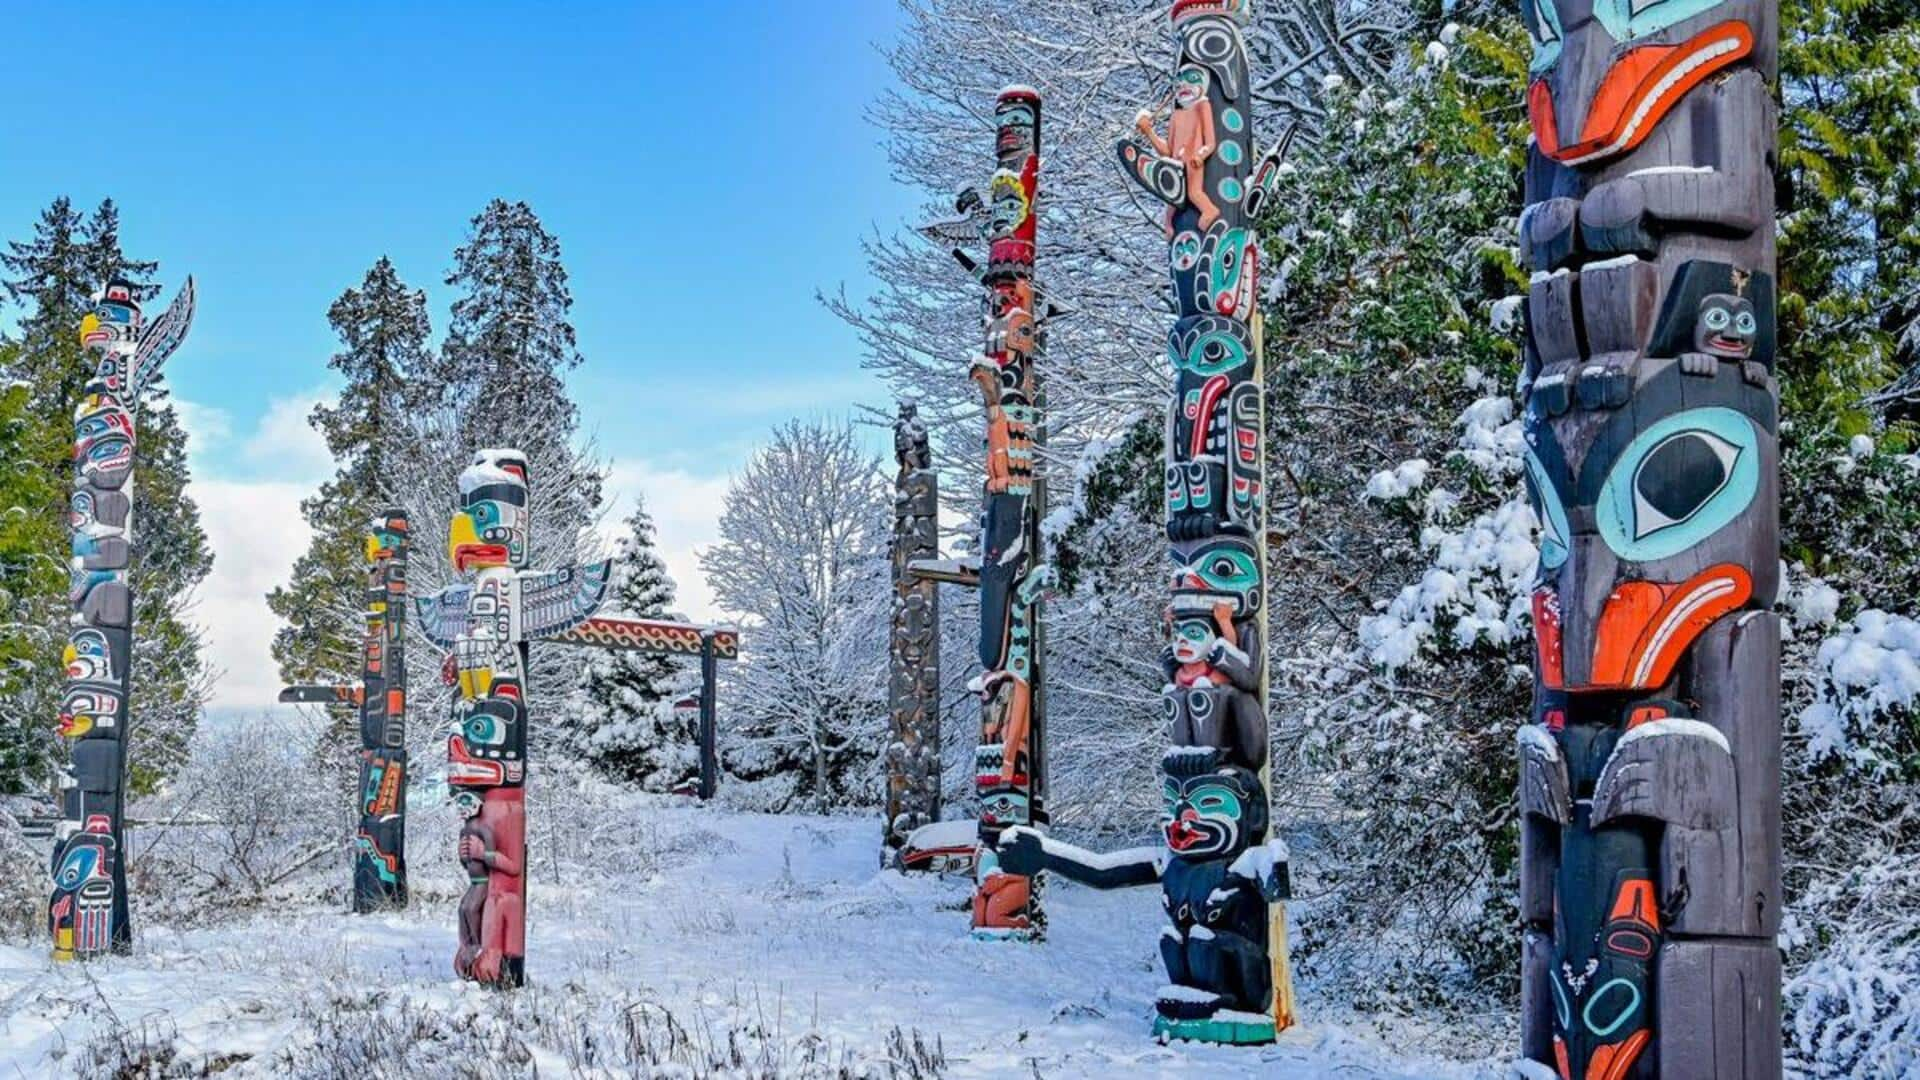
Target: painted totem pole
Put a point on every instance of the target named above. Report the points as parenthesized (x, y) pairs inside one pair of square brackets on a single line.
[(88, 912), (1649, 782), (487, 619), (1010, 764), (380, 843), (1221, 876), (913, 757)]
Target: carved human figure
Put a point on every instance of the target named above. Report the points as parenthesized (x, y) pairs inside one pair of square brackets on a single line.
[(1190, 139), (1650, 861)]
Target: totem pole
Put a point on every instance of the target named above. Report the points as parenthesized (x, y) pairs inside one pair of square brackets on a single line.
[(1010, 763), (1650, 779), (913, 757), (1222, 878), (380, 844), (88, 912), (487, 619)]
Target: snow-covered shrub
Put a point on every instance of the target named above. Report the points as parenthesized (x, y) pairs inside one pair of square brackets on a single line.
[(244, 816)]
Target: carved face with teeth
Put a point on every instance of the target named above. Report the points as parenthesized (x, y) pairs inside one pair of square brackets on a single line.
[(1727, 327), (1660, 501)]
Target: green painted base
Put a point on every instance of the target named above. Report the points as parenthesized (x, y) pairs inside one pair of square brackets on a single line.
[(1247, 1032)]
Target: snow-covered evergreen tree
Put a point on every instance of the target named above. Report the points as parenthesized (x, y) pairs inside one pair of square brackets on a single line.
[(631, 727), (53, 277), (383, 329), (497, 381), (802, 564)]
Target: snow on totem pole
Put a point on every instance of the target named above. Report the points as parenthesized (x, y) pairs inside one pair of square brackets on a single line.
[(487, 618), (1650, 780), (380, 844), (913, 757), (1222, 878), (88, 913)]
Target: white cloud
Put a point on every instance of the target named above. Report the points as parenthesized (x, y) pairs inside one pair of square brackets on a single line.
[(686, 517), (249, 491), (207, 426), (285, 445), (256, 533)]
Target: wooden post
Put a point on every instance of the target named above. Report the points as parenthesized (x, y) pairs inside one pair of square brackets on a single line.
[(709, 738)]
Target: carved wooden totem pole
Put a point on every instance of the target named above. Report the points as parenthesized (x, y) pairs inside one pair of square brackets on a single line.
[(1009, 766), (913, 756), (380, 843), (1650, 875), (487, 619), (88, 913), (1222, 878)]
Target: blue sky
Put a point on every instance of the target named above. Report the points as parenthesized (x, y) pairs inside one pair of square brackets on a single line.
[(705, 167)]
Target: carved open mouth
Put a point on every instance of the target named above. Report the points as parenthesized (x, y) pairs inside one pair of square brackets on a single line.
[(1730, 344), (1186, 8), (467, 556), (1638, 90)]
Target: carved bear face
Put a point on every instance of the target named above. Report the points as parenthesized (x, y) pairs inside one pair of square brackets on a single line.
[(1212, 815)]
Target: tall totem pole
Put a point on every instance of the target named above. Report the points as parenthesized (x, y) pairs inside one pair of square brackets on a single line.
[(913, 756), (380, 843), (88, 913), (1010, 763), (487, 619), (1649, 782), (1222, 878)]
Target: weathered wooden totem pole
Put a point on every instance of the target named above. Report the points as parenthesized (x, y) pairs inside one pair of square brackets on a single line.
[(1649, 782), (1222, 878), (487, 619), (88, 913), (913, 756), (380, 843)]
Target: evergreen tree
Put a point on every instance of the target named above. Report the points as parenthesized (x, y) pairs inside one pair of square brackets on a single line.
[(511, 339), (54, 276), (630, 728), (383, 330), (31, 580), (497, 381)]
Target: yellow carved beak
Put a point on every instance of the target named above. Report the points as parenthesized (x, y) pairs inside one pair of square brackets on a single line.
[(88, 325), (461, 534)]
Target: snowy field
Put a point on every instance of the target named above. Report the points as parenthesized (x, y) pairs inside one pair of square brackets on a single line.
[(682, 940)]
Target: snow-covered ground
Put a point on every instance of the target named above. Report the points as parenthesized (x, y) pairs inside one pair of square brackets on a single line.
[(679, 939)]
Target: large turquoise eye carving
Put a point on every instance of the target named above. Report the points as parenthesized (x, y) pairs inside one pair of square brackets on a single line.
[(1543, 22), (1679, 482), (1552, 515)]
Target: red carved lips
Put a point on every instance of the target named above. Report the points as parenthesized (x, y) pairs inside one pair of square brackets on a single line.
[(470, 555), (1181, 834), (1639, 89)]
